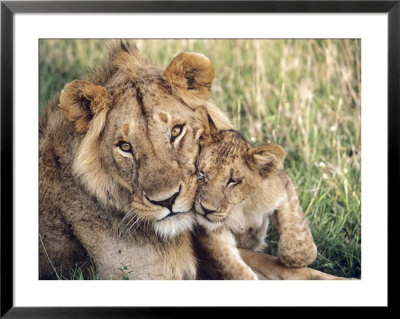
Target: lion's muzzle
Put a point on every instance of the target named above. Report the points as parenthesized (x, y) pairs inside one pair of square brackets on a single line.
[(167, 203), (211, 215)]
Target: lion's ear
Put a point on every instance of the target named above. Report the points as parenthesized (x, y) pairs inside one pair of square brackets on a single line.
[(191, 71), (81, 101), (267, 157), (203, 126)]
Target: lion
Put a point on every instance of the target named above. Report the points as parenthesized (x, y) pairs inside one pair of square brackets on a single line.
[(117, 167), (241, 187)]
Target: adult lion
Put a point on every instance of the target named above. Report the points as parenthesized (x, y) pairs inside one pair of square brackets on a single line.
[(117, 168)]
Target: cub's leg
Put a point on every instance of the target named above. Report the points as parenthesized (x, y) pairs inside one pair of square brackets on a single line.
[(296, 246), (269, 268), (220, 247)]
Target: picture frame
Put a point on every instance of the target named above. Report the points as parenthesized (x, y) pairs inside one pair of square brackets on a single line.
[(9, 8)]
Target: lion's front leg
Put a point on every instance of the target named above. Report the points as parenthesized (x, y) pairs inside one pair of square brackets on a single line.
[(220, 247), (117, 258), (269, 268), (296, 246), (114, 257)]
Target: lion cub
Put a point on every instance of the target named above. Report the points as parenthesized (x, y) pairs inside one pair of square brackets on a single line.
[(240, 188)]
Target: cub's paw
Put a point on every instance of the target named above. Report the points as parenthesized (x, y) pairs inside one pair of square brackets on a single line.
[(247, 274), (296, 253), (249, 277)]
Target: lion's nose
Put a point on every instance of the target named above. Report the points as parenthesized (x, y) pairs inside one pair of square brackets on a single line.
[(167, 203), (207, 211)]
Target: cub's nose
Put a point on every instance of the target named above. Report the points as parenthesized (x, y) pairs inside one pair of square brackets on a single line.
[(207, 211), (167, 203)]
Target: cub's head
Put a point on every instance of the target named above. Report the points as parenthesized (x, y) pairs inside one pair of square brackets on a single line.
[(230, 169), (137, 151)]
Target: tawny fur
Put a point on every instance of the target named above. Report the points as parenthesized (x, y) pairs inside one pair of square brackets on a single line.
[(241, 187), (99, 201)]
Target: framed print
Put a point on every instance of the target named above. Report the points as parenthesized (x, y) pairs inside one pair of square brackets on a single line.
[(143, 142)]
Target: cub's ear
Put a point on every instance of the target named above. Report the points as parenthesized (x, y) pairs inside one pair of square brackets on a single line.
[(82, 100), (203, 125), (191, 71), (266, 158)]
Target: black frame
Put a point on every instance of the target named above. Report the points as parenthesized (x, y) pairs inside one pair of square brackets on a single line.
[(8, 8)]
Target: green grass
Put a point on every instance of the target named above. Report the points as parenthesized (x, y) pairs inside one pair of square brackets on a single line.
[(302, 94)]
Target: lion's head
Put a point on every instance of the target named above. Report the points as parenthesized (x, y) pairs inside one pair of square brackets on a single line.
[(138, 149), (230, 171)]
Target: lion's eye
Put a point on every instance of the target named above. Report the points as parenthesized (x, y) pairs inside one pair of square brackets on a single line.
[(125, 146), (233, 182), (176, 131)]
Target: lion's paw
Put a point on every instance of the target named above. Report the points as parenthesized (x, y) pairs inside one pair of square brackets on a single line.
[(295, 253)]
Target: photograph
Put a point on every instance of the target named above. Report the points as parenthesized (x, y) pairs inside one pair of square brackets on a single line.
[(160, 158), (199, 159)]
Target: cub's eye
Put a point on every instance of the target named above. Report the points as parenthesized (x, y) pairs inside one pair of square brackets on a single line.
[(125, 146), (176, 131), (233, 182), (201, 176)]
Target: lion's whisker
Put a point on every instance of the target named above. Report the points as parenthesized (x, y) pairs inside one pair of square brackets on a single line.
[(136, 222), (127, 215)]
